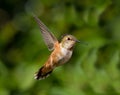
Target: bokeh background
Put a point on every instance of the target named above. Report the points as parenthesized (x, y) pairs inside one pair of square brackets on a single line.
[(94, 69)]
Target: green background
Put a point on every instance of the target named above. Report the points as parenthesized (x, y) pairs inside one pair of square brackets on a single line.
[(94, 69)]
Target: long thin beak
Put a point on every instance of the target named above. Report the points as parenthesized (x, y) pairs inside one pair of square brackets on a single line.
[(82, 42), (78, 41)]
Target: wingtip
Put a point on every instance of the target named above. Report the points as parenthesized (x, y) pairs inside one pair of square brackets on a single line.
[(34, 16)]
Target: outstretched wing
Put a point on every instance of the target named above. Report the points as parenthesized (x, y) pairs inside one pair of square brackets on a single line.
[(48, 37)]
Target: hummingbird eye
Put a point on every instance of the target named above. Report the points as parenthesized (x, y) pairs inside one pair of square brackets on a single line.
[(68, 38)]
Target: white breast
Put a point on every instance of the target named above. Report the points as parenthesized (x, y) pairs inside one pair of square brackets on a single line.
[(66, 55), (65, 51)]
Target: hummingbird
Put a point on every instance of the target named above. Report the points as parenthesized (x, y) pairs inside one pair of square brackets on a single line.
[(61, 51)]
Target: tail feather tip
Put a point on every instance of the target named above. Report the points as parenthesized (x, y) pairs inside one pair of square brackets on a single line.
[(39, 76)]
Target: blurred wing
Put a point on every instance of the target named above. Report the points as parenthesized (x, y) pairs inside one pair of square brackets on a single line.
[(48, 37)]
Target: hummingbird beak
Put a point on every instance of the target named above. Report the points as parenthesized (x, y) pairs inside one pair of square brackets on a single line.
[(78, 41), (82, 42)]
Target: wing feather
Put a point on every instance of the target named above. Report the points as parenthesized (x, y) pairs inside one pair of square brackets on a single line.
[(48, 37)]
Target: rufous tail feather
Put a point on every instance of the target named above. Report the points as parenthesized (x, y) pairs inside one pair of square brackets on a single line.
[(42, 75)]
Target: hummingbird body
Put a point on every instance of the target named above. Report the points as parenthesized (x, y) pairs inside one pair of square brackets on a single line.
[(62, 51), (58, 57)]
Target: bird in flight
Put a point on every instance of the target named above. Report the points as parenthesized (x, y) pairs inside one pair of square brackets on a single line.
[(61, 51)]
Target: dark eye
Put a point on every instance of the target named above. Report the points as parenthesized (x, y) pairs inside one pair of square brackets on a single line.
[(68, 39)]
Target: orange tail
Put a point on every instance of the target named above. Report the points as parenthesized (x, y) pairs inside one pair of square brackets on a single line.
[(42, 73)]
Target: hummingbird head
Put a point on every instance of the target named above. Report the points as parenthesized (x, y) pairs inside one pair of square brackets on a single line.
[(68, 42)]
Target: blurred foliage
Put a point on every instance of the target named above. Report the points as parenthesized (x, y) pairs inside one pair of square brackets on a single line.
[(92, 70)]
